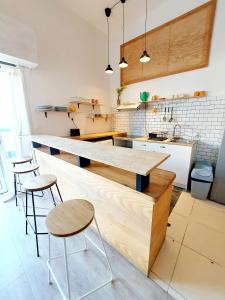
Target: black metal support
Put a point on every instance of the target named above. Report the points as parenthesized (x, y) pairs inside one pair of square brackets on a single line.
[(141, 182), (35, 225), (15, 189), (60, 196), (36, 145), (53, 151), (26, 212), (83, 162), (53, 199)]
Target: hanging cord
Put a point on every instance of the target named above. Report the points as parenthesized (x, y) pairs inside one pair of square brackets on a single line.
[(146, 16), (123, 23), (108, 38)]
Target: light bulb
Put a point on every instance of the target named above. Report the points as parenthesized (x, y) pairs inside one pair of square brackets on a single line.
[(109, 70), (123, 63), (145, 57)]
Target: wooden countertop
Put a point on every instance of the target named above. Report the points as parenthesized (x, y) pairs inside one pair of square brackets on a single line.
[(131, 160), (99, 135)]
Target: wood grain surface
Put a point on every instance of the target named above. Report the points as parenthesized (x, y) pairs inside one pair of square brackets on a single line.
[(124, 215), (127, 159), (180, 45), (70, 218)]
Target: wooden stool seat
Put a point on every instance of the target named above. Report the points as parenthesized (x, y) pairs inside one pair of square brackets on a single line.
[(23, 169), (39, 183), (21, 160), (70, 218)]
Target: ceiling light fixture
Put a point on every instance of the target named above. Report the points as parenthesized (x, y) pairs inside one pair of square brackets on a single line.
[(108, 69), (123, 63), (145, 56)]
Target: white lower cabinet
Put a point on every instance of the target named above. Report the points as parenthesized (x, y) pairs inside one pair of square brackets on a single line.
[(179, 161)]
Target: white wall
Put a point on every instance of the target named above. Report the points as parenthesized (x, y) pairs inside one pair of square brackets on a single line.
[(71, 57), (210, 79)]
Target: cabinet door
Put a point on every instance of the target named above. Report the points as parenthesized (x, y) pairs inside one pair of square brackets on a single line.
[(140, 145), (178, 162)]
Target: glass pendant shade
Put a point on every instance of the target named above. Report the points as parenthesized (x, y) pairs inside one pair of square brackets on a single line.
[(145, 57), (123, 63), (109, 70)]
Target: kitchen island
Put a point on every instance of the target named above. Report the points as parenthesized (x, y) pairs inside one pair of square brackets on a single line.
[(133, 222)]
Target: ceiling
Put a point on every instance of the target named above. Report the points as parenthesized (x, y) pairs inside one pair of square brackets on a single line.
[(93, 12)]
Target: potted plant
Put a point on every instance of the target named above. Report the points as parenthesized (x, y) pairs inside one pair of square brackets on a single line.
[(119, 93)]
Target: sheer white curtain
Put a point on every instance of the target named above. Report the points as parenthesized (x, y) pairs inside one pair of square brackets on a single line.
[(14, 122)]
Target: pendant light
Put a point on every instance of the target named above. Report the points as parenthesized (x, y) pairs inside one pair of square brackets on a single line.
[(145, 57), (123, 63), (108, 69)]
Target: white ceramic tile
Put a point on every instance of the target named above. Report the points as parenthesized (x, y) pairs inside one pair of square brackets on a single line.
[(195, 277), (166, 260), (177, 228), (184, 204), (212, 218), (175, 294), (210, 204), (206, 241)]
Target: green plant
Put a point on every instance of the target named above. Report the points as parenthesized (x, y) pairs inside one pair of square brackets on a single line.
[(120, 89)]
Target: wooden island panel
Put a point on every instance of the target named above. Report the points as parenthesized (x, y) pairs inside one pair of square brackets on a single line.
[(133, 223)]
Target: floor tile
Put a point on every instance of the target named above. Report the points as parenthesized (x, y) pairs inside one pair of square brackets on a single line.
[(206, 241), (195, 277), (177, 228), (212, 218), (184, 205), (166, 260), (175, 294), (210, 204)]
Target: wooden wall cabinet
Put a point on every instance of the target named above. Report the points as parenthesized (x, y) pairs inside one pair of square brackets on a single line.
[(180, 45)]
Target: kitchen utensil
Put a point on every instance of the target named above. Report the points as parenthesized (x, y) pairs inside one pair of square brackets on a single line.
[(171, 116), (164, 118), (144, 96)]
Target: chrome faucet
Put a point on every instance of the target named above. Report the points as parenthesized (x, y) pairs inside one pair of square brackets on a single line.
[(174, 129)]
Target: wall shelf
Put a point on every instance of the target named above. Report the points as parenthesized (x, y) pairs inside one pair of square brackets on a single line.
[(99, 117), (78, 103)]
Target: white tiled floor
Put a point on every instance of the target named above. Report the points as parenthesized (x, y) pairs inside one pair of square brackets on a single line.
[(191, 263)]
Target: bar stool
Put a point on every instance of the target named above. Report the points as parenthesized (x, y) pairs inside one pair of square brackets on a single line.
[(21, 169), (21, 160), (36, 184), (69, 219)]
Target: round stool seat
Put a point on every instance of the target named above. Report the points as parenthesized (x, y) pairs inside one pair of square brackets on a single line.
[(21, 160), (70, 218), (40, 183), (23, 169)]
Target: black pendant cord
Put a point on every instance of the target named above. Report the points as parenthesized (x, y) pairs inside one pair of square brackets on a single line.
[(123, 23), (108, 38), (146, 16)]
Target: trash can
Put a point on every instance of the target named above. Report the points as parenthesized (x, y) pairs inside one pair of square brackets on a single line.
[(201, 179)]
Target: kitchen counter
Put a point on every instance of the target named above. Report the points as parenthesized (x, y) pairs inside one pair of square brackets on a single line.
[(126, 159), (96, 136), (182, 142), (132, 222)]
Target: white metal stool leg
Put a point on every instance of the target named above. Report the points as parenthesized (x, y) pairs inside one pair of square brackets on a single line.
[(67, 269), (49, 258)]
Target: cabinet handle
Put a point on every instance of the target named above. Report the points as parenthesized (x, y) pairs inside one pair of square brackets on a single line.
[(162, 146)]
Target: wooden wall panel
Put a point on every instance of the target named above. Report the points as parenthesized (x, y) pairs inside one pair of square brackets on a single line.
[(132, 52), (180, 45), (158, 42)]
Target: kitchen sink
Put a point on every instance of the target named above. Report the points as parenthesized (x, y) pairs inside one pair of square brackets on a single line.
[(179, 140)]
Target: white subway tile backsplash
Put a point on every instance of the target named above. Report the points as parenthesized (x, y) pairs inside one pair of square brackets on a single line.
[(202, 119)]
